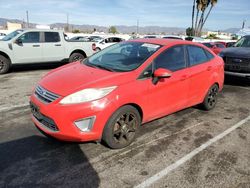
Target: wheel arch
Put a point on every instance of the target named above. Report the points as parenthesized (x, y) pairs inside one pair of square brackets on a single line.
[(5, 55), (78, 51)]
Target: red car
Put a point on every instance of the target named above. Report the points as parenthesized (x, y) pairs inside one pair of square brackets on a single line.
[(110, 94), (216, 47)]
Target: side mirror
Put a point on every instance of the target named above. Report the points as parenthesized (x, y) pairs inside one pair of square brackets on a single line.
[(18, 41), (161, 73)]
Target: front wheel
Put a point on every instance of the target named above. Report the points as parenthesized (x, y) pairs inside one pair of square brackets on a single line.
[(76, 57), (4, 65), (211, 98), (120, 130)]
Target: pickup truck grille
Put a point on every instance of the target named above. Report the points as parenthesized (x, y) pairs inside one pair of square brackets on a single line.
[(45, 95), (241, 65)]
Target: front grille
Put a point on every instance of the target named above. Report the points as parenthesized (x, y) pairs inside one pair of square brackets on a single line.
[(44, 120), (45, 95), (241, 65)]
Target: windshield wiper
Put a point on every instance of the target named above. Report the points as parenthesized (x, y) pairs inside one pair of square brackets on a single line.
[(100, 67)]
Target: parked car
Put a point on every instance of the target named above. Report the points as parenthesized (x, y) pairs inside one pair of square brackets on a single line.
[(2, 35), (172, 37), (106, 42), (237, 58), (150, 36), (80, 38), (110, 94), (216, 47), (230, 44), (38, 46)]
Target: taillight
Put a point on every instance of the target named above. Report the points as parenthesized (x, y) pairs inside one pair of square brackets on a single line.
[(94, 46)]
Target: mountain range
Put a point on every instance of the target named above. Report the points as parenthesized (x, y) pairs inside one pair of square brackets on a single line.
[(120, 28)]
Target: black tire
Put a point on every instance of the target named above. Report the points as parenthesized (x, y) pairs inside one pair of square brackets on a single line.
[(120, 130), (5, 65), (211, 98), (76, 57)]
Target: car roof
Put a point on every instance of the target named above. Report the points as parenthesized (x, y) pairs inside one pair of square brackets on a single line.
[(165, 42)]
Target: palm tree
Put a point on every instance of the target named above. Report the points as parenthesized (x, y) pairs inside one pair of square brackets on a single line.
[(212, 4), (198, 7), (204, 5), (192, 30)]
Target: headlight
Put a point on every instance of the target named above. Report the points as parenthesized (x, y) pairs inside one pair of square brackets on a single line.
[(87, 95)]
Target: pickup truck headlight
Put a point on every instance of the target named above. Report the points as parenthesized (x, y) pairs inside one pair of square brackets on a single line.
[(87, 95)]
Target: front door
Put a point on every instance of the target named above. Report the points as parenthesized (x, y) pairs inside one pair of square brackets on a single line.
[(29, 49), (169, 94)]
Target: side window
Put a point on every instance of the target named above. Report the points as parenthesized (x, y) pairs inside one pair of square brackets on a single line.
[(172, 59), (220, 45), (30, 37), (209, 55), (196, 55), (52, 37)]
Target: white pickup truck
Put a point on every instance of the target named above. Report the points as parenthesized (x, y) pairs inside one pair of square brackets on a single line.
[(38, 46)]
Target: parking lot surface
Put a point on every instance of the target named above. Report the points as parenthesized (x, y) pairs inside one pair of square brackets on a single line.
[(28, 159)]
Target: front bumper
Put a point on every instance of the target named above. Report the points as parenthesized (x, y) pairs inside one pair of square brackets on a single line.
[(245, 75), (64, 116)]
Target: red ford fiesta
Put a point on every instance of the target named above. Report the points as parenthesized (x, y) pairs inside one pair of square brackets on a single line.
[(108, 95)]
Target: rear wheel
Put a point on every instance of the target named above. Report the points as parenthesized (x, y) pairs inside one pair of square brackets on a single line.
[(120, 131), (76, 57), (211, 98), (4, 65)]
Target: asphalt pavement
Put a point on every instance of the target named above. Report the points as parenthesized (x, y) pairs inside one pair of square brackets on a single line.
[(179, 150)]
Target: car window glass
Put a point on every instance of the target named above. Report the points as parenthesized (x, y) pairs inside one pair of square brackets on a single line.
[(51, 36), (172, 59), (30, 37), (220, 45), (196, 55), (209, 55)]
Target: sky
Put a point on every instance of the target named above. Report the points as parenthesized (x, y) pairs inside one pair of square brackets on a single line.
[(167, 13)]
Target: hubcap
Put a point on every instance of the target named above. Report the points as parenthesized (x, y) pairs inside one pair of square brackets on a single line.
[(212, 96), (125, 127), (77, 58)]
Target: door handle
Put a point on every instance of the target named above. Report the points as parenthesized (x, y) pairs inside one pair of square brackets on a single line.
[(58, 45), (36, 45), (209, 68), (184, 77)]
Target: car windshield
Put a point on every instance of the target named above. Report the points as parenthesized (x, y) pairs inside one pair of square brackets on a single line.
[(243, 42), (12, 35), (122, 57)]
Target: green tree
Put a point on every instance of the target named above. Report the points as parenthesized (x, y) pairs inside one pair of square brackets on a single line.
[(76, 31), (113, 30), (189, 31)]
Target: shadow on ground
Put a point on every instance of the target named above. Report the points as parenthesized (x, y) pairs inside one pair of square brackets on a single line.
[(36, 66), (237, 81), (38, 162)]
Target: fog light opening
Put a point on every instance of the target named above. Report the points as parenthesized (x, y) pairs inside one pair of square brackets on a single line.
[(85, 125)]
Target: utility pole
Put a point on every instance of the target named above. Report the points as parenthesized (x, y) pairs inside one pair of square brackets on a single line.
[(137, 28), (27, 14), (243, 24), (67, 22)]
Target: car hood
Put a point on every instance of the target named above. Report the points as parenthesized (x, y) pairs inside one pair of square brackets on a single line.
[(239, 52), (73, 77)]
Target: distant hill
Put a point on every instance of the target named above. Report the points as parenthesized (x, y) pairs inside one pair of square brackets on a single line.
[(120, 28)]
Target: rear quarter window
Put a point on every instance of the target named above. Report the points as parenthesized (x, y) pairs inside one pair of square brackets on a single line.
[(52, 37), (198, 55)]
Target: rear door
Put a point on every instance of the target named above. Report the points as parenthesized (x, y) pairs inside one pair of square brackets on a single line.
[(29, 51), (52, 47), (169, 94), (200, 69)]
